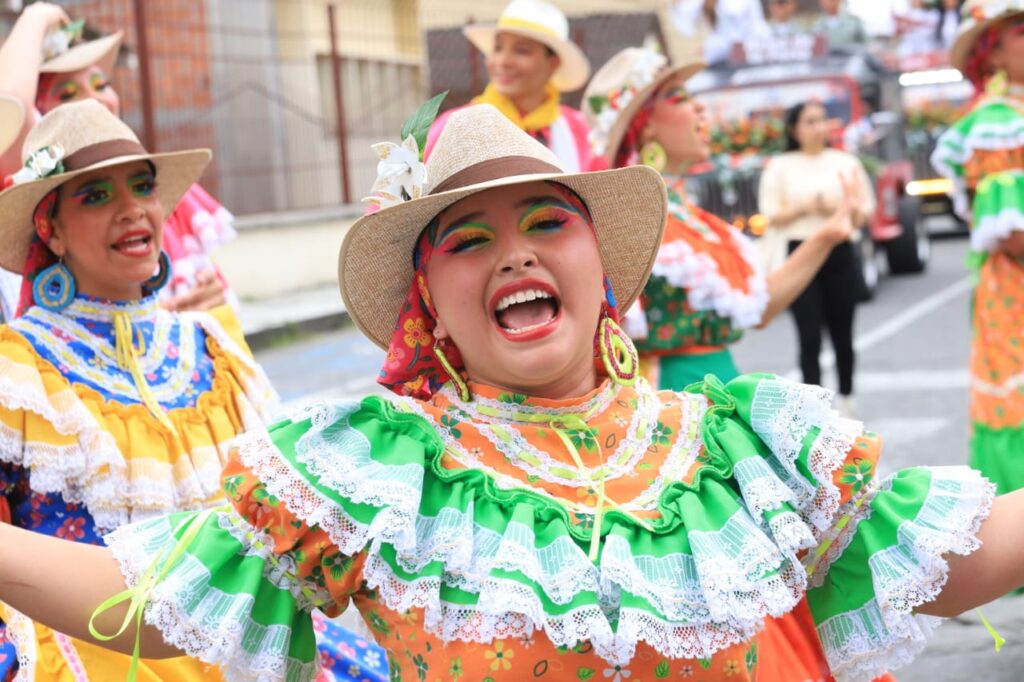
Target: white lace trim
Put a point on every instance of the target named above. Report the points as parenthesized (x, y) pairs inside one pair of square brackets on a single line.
[(22, 633), (956, 148), (265, 406), (992, 229), (506, 411), (92, 471), (884, 634), (706, 288), (734, 577), (783, 414), (503, 432), (206, 623), (281, 570)]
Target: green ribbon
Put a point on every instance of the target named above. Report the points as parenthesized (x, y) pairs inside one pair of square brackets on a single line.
[(996, 637), (560, 424), (139, 594)]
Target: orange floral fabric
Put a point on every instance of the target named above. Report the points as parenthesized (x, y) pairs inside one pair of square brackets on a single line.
[(997, 354), (415, 654)]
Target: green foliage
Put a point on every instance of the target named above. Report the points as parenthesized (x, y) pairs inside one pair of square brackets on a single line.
[(418, 125)]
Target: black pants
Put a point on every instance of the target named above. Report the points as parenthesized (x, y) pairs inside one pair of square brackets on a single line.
[(830, 301)]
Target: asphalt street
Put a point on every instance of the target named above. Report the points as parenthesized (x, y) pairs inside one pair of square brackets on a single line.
[(913, 342)]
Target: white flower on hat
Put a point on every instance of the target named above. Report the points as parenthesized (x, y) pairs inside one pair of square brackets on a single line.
[(59, 41), (607, 109), (400, 173), (42, 163)]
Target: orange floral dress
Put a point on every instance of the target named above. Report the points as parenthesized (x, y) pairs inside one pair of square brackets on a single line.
[(983, 153), (625, 535)]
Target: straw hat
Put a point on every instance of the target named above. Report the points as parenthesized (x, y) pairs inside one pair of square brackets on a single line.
[(479, 149), (73, 139), (975, 17), (12, 117), (620, 88), (545, 23), (102, 52)]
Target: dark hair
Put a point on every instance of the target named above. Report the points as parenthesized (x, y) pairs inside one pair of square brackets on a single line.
[(793, 115)]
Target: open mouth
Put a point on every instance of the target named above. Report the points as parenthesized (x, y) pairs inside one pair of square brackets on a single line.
[(136, 243), (526, 310)]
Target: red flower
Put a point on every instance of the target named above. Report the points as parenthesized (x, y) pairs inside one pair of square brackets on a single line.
[(73, 529)]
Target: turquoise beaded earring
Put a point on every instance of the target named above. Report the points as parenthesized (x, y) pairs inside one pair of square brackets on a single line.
[(54, 288)]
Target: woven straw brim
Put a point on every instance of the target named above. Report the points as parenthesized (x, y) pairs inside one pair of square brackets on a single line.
[(572, 72), (968, 34), (621, 124), (375, 270), (12, 118), (175, 173), (102, 52)]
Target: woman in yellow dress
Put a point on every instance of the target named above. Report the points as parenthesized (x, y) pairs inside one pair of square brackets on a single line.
[(112, 408)]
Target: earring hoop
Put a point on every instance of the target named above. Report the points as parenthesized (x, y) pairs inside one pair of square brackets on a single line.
[(652, 154), (618, 354), (455, 375), (54, 288), (162, 276)]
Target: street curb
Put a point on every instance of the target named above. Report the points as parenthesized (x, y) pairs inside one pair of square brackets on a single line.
[(289, 331)]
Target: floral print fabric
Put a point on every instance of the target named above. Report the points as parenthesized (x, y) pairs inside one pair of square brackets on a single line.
[(705, 288)]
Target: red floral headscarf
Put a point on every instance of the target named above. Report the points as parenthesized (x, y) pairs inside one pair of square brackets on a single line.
[(39, 255), (411, 366), (979, 68)]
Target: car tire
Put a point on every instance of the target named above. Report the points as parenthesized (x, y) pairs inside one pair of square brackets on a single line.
[(870, 272), (909, 252)]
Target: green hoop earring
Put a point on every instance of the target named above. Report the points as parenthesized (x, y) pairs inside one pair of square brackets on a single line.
[(455, 375), (652, 154), (618, 354)]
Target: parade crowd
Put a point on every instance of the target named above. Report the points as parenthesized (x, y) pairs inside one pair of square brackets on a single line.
[(571, 479)]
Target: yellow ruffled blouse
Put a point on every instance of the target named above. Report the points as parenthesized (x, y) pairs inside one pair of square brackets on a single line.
[(95, 434)]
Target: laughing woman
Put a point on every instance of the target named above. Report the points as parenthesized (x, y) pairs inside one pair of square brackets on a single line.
[(112, 409), (527, 505)]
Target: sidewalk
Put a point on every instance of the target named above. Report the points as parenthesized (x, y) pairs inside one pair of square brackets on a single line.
[(276, 319), (284, 269)]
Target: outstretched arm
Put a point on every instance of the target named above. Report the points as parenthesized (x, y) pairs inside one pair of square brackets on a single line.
[(60, 583), (790, 279), (990, 572), (20, 58)]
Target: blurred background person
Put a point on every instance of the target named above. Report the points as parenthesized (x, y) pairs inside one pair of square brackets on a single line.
[(720, 24), (799, 190), (839, 27), (983, 155), (781, 23), (44, 63), (530, 61)]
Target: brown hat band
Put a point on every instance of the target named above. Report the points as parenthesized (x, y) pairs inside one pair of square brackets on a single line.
[(494, 169), (102, 151)]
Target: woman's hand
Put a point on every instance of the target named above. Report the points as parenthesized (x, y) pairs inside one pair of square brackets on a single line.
[(843, 219), (209, 292), (46, 14), (1013, 245)]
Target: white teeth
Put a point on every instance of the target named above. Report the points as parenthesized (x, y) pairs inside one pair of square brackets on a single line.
[(521, 297)]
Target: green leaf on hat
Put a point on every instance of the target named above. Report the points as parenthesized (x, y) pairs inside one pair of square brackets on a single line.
[(597, 103), (418, 125), (74, 29)]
